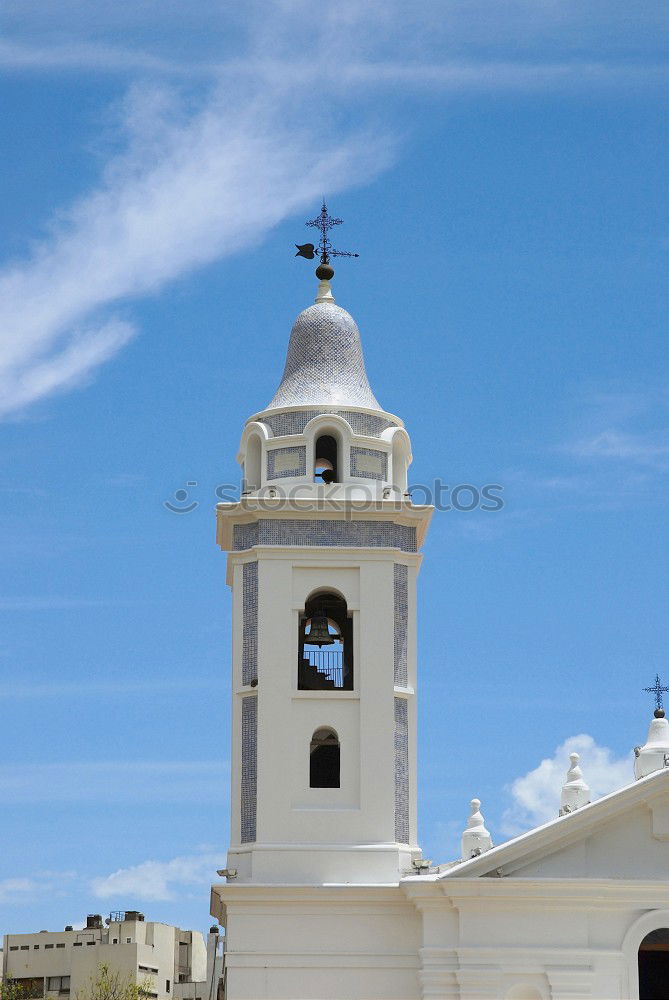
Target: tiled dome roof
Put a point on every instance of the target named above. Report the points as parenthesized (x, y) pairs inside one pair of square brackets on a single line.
[(324, 362)]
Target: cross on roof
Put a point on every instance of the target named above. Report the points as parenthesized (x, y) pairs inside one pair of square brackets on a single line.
[(658, 691), (324, 223)]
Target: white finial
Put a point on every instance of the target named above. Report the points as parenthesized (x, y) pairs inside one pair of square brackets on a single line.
[(324, 293), (575, 792), (475, 839), (654, 754)]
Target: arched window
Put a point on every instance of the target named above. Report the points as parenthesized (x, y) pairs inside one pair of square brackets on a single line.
[(325, 459), (252, 464), (654, 965), (324, 759), (325, 645)]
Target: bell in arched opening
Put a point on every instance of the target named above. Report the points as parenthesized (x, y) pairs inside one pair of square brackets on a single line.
[(319, 633)]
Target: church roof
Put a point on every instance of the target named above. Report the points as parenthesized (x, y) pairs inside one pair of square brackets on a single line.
[(564, 830), (324, 362)]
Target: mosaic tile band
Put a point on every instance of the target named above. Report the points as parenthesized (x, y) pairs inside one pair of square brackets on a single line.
[(249, 622), (320, 532), (379, 460), (401, 771), (401, 617), (366, 424), (285, 462), (249, 783)]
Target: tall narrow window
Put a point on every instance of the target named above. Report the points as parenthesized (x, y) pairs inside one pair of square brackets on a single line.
[(325, 652), (654, 965), (325, 460), (324, 759)]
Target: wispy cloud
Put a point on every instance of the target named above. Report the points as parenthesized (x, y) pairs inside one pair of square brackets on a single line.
[(536, 795), (641, 449), (108, 689), (159, 880), (24, 889), (48, 603), (189, 187), (112, 781)]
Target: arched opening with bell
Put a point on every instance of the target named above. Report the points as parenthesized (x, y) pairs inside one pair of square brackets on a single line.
[(325, 645), (326, 464)]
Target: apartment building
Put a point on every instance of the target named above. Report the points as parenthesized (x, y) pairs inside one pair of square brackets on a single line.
[(171, 963)]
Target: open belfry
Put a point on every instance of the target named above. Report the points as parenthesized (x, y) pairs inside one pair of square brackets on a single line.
[(326, 894)]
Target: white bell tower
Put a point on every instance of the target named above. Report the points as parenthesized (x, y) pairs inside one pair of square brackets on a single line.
[(323, 558)]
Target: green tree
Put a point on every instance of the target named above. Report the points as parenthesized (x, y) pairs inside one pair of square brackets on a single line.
[(109, 984), (11, 990)]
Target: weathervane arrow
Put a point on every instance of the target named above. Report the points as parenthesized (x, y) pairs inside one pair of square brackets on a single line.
[(324, 223)]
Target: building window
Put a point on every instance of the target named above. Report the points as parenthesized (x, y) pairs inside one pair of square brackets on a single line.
[(167, 986), (90, 944), (128, 940), (48, 946), (25, 947), (58, 984), (76, 944), (13, 947), (325, 460), (35, 947), (325, 651), (654, 965), (115, 941), (62, 945), (324, 754)]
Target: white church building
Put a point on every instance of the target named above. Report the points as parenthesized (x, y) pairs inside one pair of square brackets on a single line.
[(326, 895)]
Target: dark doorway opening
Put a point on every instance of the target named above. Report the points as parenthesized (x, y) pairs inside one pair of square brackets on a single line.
[(324, 758), (654, 965)]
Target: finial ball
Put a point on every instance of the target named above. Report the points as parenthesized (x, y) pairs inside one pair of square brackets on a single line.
[(659, 713), (324, 272)]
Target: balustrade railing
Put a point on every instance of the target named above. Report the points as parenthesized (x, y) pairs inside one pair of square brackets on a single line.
[(329, 663)]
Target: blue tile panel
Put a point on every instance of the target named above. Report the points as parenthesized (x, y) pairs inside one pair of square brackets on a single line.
[(350, 534), (249, 789), (358, 465), (367, 424), (249, 622), (284, 462), (401, 615), (401, 771)]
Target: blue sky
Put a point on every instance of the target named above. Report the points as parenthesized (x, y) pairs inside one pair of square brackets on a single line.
[(502, 170)]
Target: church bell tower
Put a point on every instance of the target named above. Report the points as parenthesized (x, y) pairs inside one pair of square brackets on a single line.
[(323, 555)]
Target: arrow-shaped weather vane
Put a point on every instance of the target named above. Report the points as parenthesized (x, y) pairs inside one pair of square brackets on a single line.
[(325, 250)]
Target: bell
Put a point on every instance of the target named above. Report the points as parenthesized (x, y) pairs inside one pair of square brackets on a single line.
[(319, 633)]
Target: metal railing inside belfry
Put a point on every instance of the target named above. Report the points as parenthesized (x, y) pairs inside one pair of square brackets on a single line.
[(328, 662)]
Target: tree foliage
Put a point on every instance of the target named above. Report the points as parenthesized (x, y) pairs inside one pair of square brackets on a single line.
[(11, 990), (109, 984)]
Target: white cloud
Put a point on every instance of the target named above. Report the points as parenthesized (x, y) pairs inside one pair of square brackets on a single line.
[(158, 880), (190, 187), (536, 795)]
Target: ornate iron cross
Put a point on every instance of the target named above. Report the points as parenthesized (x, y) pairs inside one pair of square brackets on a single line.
[(658, 691), (325, 250)]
